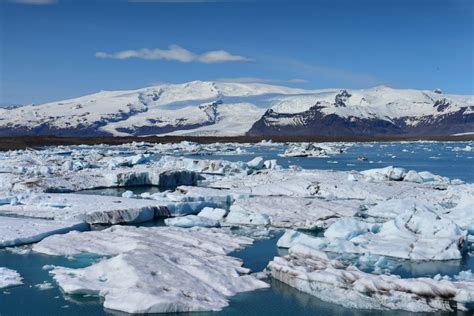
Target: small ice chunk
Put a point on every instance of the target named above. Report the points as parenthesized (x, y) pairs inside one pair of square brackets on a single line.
[(216, 214), (413, 176), (293, 237), (128, 194), (9, 278), (257, 163), (191, 221), (240, 216), (347, 228), (270, 164), (44, 286)]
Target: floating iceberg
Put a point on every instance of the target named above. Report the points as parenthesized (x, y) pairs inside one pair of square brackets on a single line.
[(311, 271), (191, 221), (311, 150), (291, 212), (154, 269), (216, 214), (9, 278), (417, 234), (93, 209), (17, 231)]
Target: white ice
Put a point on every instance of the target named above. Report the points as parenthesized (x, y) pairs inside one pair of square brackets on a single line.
[(18, 231), (309, 270), (154, 269), (9, 278), (191, 221), (416, 234)]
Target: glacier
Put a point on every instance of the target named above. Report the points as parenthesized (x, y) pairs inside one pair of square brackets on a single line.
[(206, 108)]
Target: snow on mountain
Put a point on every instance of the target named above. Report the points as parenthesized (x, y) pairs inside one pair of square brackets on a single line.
[(380, 101), (229, 109)]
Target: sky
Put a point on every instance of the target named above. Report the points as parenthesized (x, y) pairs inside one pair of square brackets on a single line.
[(57, 49)]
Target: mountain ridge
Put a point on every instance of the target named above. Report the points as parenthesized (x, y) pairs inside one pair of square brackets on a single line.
[(206, 108)]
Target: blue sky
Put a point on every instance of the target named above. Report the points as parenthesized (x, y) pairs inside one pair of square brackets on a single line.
[(52, 50)]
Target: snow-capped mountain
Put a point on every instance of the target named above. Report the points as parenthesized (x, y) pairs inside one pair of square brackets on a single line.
[(230, 109)]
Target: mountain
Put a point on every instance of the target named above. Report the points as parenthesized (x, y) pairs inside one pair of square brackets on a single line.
[(230, 109)]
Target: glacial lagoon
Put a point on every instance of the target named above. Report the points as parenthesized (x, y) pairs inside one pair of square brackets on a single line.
[(40, 295)]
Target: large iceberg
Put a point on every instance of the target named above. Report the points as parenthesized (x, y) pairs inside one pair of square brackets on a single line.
[(417, 234), (291, 212), (154, 269), (311, 271), (93, 209)]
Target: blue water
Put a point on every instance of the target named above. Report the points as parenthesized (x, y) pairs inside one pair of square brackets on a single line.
[(280, 299), (436, 157)]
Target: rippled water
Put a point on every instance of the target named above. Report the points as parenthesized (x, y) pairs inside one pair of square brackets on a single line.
[(280, 299)]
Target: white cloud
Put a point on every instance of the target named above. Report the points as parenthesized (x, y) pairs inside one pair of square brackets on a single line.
[(262, 80), (35, 2), (175, 53)]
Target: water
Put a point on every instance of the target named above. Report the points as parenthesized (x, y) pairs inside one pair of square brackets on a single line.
[(280, 299), (436, 157), (29, 300)]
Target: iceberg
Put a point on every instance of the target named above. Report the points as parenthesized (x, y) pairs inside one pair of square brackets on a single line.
[(154, 269), (417, 234), (311, 271), (191, 221), (9, 278), (311, 150), (240, 216), (293, 212), (216, 214), (92, 209), (18, 231)]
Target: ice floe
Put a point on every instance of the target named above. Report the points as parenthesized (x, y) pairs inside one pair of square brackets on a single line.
[(416, 234), (311, 271), (9, 278), (216, 214), (290, 212), (191, 221), (312, 150), (93, 209), (154, 269), (16, 231)]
